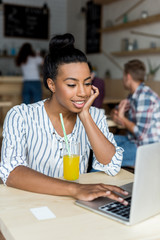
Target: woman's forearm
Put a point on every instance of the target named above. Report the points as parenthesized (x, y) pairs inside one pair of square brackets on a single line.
[(30, 180), (103, 149), (27, 179)]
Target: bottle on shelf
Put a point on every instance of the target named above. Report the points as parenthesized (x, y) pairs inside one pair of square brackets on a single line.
[(13, 50)]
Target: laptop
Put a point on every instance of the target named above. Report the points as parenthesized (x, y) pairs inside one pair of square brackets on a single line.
[(144, 193)]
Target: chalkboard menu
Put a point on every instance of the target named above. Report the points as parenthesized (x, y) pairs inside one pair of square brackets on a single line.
[(93, 20), (26, 22)]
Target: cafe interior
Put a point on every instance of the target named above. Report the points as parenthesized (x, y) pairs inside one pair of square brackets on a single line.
[(110, 33)]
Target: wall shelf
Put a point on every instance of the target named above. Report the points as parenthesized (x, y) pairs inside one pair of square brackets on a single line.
[(135, 23), (136, 52), (105, 2), (7, 56)]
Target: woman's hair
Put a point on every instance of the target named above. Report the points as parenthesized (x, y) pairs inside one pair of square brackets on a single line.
[(25, 51), (61, 51), (90, 66), (136, 69)]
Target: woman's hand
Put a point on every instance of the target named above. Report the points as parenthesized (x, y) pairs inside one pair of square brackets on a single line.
[(89, 192), (93, 96), (28, 179)]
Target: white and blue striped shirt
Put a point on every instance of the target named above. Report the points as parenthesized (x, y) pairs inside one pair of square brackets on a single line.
[(29, 139)]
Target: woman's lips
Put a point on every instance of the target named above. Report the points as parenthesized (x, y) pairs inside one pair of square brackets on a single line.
[(78, 104)]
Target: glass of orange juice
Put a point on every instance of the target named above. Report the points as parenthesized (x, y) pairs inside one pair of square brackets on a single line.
[(71, 161)]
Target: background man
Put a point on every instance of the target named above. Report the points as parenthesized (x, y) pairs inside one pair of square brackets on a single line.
[(139, 113)]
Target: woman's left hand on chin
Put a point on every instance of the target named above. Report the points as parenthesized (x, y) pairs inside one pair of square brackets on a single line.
[(88, 104)]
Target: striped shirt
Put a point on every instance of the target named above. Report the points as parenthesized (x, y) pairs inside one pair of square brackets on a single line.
[(29, 139)]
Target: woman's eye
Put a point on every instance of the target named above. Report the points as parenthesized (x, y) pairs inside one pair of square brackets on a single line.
[(71, 85), (88, 84)]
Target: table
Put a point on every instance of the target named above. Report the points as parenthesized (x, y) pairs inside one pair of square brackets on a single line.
[(71, 222), (111, 123), (109, 103), (109, 100), (5, 104)]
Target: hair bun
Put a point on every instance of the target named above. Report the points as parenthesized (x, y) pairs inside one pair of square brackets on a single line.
[(60, 42)]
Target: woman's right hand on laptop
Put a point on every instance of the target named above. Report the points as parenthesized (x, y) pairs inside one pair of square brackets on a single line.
[(89, 192)]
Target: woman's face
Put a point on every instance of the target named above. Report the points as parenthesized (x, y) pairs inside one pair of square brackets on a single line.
[(73, 86)]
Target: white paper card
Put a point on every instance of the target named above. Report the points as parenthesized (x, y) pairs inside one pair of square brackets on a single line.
[(42, 213)]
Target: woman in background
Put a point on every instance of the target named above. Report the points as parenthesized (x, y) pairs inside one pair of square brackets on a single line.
[(29, 63)]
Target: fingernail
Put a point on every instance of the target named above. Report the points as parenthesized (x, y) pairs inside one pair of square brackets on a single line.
[(108, 192), (125, 192), (120, 199), (125, 203)]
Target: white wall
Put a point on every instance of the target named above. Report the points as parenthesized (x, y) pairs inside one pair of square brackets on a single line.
[(58, 25), (112, 41), (65, 16), (76, 22)]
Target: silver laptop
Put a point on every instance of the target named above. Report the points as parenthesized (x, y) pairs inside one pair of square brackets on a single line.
[(144, 197)]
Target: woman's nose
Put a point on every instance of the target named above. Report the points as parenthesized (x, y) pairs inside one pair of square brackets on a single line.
[(81, 91)]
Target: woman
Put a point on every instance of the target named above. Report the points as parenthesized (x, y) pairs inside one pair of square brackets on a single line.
[(33, 135), (29, 63)]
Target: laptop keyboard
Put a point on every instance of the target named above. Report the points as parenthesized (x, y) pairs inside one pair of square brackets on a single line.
[(118, 209)]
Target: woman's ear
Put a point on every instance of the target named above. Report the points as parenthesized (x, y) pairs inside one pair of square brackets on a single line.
[(51, 85)]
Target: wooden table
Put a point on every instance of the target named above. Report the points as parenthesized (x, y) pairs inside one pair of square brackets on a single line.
[(71, 222), (111, 123), (109, 103), (5, 104), (109, 100)]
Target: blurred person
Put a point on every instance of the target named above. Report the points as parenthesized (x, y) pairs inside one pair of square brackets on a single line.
[(139, 113), (99, 83), (30, 63)]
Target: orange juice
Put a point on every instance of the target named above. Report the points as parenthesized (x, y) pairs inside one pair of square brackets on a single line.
[(71, 167)]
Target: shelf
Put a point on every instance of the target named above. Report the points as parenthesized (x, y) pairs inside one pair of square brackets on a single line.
[(137, 52), (7, 56), (10, 79), (105, 2), (135, 23)]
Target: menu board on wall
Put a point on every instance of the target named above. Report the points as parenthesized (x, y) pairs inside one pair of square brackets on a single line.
[(93, 20), (26, 22)]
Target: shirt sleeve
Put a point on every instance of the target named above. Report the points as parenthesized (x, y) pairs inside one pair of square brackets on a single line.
[(115, 165), (14, 149), (144, 115)]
